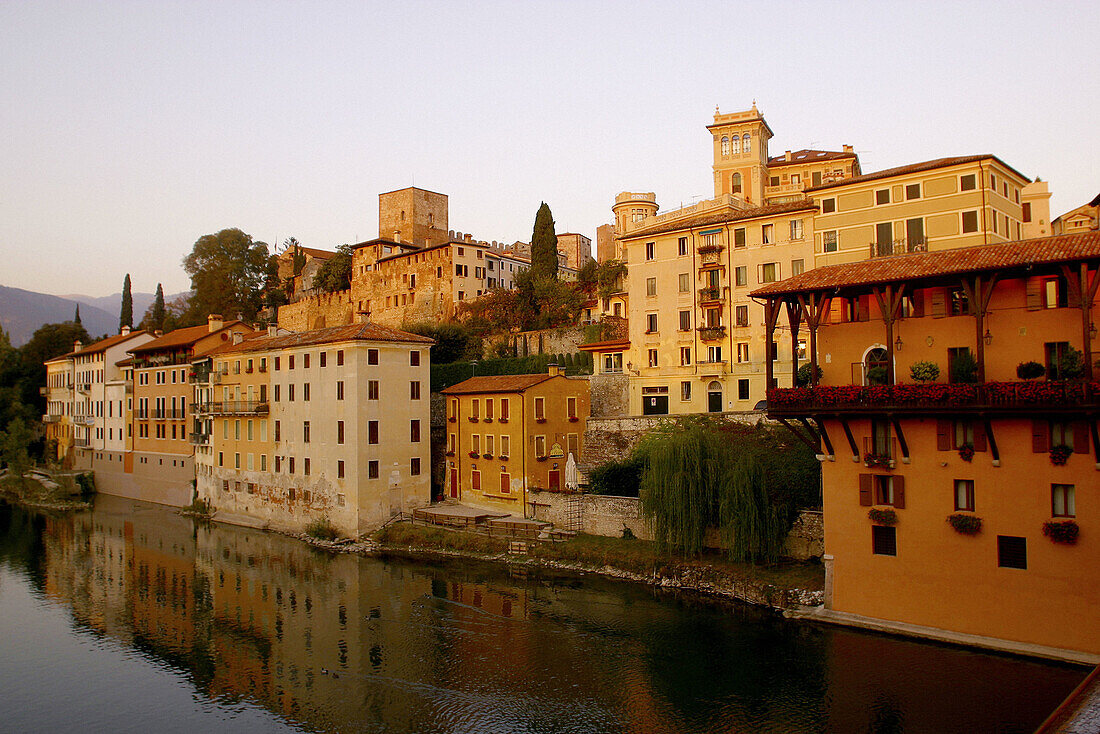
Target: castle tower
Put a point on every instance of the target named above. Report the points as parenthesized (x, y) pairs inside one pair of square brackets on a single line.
[(740, 154), (631, 208), (413, 215)]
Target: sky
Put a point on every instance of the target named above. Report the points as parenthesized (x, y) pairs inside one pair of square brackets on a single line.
[(130, 129)]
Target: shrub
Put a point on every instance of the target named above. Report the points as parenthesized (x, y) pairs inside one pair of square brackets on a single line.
[(965, 524), (1069, 367), (1062, 531), (877, 375), (322, 529), (924, 371), (1030, 370), (1059, 454), (966, 452), (882, 517), (964, 368), (86, 482), (200, 506), (618, 478), (803, 377)]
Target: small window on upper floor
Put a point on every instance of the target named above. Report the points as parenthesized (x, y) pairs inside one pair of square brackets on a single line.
[(969, 182), (650, 250), (746, 143), (882, 196), (735, 183), (912, 191), (725, 145), (828, 206)]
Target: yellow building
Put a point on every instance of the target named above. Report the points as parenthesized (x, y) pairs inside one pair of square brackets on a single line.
[(1084, 218), (506, 433), (329, 423), (60, 384)]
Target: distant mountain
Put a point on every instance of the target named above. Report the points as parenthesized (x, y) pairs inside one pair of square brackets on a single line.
[(113, 302), (22, 312)]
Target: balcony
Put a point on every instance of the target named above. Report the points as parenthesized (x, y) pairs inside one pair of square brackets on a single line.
[(84, 387), (899, 247), (1004, 398), (82, 443), (712, 295), (84, 420), (42, 391), (711, 333), (48, 418), (168, 414), (711, 254), (199, 439), (199, 377), (142, 415), (236, 407)]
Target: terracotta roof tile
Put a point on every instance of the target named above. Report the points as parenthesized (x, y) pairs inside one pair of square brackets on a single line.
[(496, 383), (182, 337), (920, 265), (723, 217), (104, 344), (330, 335), (808, 155), (915, 168)]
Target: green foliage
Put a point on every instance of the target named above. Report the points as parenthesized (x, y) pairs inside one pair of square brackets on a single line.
[(76, 316), (1030, 370), (228, 271), (200, 506), (924, 371), (335, 274), (126, 312), (544, 246), (14, 454), (586, 276), (86, 482), (965, 524), (964, 368), (618, 478), (445, 375), (298, 257), (877, 375), (803, 376), (753, 528), (322, 529), (453, 341), (1070, 366), (157, 312), (1062, 531), (609, 277)]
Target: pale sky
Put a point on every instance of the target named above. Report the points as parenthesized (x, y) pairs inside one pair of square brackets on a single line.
[(129, 130)]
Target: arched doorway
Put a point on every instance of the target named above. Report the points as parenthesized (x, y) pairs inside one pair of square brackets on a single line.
[(714, 397), (875, 366)]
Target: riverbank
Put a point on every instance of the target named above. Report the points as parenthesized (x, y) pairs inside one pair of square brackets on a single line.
[(42, 490)]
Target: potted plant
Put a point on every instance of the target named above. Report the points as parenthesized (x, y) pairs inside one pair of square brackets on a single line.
[(924, 371), (882, 517), (540, 420), (966, 451), (804, 373), (877, 375), (1061, 531), (964, 368), (1030, 370), (1059, 454), (540, 458), (472, 418), (486, 456), (573, 419), (473, 454), (965, 524), (449, 453), (503, 457), (871, 459)]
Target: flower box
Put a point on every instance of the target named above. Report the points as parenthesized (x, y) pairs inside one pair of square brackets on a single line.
[(486, 420), (883, 460), (541, 458), (1062, 531), (966, 452), (473, 454), (472, 419), (540, 420), (449, 453), (965, 524), (502, 420), (1059, 454), (503, 457), (451, 419), (486, 456), (882, 517), (573, 419)]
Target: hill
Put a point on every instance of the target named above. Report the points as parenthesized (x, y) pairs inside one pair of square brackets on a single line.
[(22, 312)]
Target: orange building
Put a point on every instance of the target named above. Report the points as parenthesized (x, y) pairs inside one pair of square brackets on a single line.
[(506, 433), (965, 501)]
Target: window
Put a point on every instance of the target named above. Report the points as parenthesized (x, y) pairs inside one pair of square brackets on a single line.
[(964, 494), (741, 315), (685, 391), (305, 361), (339, 389), (290, 362), (339, 357), (652, 355), (305, 431), (884, 540), (1011, 551), (651, 286), (767, 233), (969, 182), (685, 283), (372, 356), (372, 470), (505, 445), (739, 237), (736, 145), (797, 231), (651, 323), (714, 354), (796, 178), (725, 145), (742, 352), (682, 246), (277, 430), (414, 358), (882, 196), (1026, 211), (685, 321), (1057, 359), (742, 389), (540, 445), (969, 221), (829, 241), (613, 363), (685, 356), (1055, 293), (372, 389), (503, 409), (372, 432), (769, 272), (305, 391), (414, 466), (324, 359), (649, 250), (828, 206), (1062, 500), (735, 183), (414, 431), (745, 143), (290, 393), (540, 408), (305, 467), (912, 191), (475, 408), (290, 467)]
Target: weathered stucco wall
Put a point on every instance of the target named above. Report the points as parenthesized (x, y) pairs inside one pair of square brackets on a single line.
[(609, 438), (610, 394), (314, 312)]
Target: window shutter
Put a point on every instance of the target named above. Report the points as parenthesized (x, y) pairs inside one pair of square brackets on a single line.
[(863, 309), (760, 273), (1034, 297), (899, 492), (1081, 437), (917, 301), (943, 435), (836, 310), (979, 436), (939, 303), (1039, 436), (866, 483)]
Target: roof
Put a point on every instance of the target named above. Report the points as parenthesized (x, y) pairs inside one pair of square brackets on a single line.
[(722, 217), (329, 335), (104, 344), (920, 265), (496, 383), (916, 168), (614, 345), (808, 155), (384, 241), (312, 252), (1096, 201), (182, 337)]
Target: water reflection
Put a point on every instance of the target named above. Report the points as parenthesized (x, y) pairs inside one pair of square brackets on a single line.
[(342, 643)]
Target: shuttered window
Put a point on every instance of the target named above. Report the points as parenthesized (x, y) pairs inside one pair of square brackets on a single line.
[(884, 540), (1011, 551)]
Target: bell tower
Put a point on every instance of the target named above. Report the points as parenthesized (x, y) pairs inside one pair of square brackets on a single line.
[(740, 154)]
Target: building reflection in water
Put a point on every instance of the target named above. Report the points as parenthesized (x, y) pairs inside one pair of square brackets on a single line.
[(339, 642)]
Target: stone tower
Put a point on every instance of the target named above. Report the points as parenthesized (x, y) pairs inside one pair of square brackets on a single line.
[(740, 154), (413, 215)]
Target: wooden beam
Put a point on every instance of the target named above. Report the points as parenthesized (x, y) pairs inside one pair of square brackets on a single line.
[(798, 434), (991, 439), (901, 439), (1082, 288), (851, 438), (771, 315), (824, 437), (794, 318)]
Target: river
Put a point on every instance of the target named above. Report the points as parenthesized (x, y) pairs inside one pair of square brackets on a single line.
[(132, 618)]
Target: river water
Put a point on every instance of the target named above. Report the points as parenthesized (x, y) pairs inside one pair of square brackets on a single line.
[(132, 618)]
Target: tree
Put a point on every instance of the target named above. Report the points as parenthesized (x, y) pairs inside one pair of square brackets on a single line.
[(335, 274), (157, 311), (76, 316), (126, 314), (228, 271), (544, 246), (13, 449)]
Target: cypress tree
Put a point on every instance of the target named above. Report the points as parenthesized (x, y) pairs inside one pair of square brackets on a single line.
[(544, 246), (76, 316), (158, 308), (126, 315)]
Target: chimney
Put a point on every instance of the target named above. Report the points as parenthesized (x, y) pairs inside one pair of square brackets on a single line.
[(848, 149), (125, 331), (214, 322), (272, 330), (238, 337), (158, 333), (364, 317), (787, 155), (553, 370), (77, 344)]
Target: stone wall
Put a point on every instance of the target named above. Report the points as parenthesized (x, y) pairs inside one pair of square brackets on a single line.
[(325, 309), (563, 340), (607, 516), (609, 394), (608, 438)]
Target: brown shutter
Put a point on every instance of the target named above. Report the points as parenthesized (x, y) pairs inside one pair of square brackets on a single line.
[(917, 301), (979, 436), (836, 311), (1034, 298), (943, 435), (1040, 434), (863, 308), (939, 303), (1081, 437), (899, 492), (866, 483)]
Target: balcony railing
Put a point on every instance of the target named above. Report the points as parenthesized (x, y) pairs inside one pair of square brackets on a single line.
[(199, 439), (82, 443), (710, 254), (142, 415), (48, 418), (236, 407), (710, 333), (936, 397), (84, 420), (899, 247), (711, 295), (199, 377), (83, 386), (168, 414)]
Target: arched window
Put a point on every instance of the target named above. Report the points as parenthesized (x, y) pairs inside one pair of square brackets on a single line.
[(736, 145), (725, 145), (735, 183), (875, 366), (714, 397), (746, 146)]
